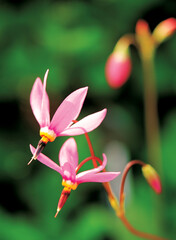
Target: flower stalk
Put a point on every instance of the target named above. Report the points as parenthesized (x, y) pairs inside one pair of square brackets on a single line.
[(118, 206), (149, 176), (146, 46)]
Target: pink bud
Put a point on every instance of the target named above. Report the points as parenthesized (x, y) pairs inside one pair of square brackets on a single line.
[(164, 29), (152, 178), (117, 69)]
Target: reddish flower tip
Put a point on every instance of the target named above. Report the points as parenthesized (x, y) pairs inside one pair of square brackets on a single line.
[(164, 30), (142, 27), (63, 198), (117, 69), (58, 210), (152, 178)]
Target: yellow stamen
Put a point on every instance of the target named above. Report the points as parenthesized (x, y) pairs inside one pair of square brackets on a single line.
[(44, 139), (69, 185), (47, 135)]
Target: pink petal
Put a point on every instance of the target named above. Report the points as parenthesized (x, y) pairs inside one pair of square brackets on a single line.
[(68, 110), (37, 96), (99, 177), (47, 161), (94, 170), (45, 112), (86, 124), (69, 153), (68, 172)]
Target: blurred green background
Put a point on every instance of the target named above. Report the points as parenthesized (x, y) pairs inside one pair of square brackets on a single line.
[(73, 39)]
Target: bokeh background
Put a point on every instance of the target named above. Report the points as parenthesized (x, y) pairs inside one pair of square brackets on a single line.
[(73, 39)]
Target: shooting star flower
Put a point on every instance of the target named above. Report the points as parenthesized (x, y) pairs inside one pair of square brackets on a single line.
[(68, 159), (62, 121)]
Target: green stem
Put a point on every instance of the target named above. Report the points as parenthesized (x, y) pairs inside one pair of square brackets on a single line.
[(151, 113)]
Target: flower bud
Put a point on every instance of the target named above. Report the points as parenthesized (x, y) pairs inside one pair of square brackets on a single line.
[(142, 27), (164, 30), (117, 69), (152, 178)]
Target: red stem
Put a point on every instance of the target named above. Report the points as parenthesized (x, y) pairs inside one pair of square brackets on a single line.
[(86, 160), (138, 233), (111, 196), (125, 172)]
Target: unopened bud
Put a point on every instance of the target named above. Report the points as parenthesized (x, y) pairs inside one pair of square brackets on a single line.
[(164, 30), (142, 27), (117, 69), (152, 178)]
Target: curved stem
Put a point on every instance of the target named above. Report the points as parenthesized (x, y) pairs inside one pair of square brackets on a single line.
[(86, 160), (90, 145), (123, 43), (121, 214), (138, 233), (125, 172), (111, 196)]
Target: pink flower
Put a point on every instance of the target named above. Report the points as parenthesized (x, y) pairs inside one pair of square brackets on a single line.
[(68, 159), (62, 121)]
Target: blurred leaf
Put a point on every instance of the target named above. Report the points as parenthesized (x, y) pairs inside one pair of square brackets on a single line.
[(168, 148), (17, 228)]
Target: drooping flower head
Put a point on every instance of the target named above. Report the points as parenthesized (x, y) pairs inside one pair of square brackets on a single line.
[(68, 159), (117, 70), (152, 178), (118, 65), (62, 121)]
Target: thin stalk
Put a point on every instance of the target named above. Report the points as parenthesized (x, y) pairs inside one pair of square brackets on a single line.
[(121, 213), (125, 172), (151, 114), (86, 160), (111, 196), (119, 209), (138, 233)]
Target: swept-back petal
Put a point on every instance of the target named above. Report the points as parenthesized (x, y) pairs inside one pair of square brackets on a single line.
[(86, 124), (45, 111), (94, 170), (37, 94), (69, 153), (98, 177), (68, 110), (47, 161)]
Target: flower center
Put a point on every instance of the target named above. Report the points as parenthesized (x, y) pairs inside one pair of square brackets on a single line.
[(69, 184), (47, 135)]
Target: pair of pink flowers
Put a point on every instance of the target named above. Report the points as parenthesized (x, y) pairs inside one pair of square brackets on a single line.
[(62, 125), (62, 121)]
